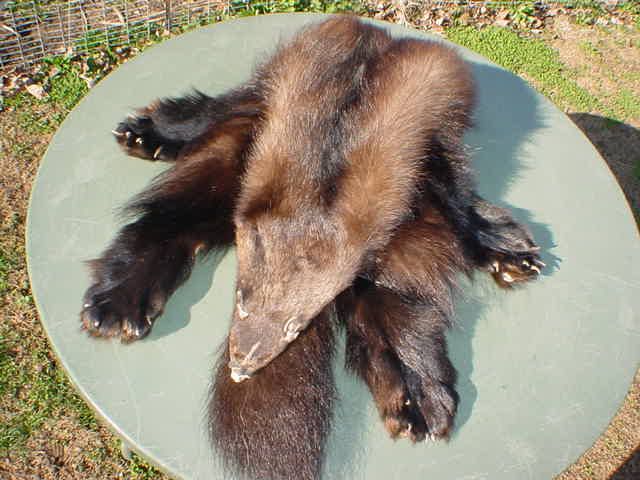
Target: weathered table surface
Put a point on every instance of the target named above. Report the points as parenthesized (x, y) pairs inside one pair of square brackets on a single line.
[(542, 370)]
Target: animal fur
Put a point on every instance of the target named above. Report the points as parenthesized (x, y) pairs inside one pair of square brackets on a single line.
[(338, 171)]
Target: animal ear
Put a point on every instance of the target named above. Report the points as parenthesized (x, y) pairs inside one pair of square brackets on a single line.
[(264, 201), (268, 199)]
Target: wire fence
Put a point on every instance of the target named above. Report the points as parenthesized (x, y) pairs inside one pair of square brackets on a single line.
[(30, 31)]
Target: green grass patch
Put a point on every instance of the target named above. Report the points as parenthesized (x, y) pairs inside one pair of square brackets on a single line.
[(141, 470), (532, 58), (588, 11), (248, 8), (38, 390), (66, 88), (33, 389), (6, 264), (626, 104)]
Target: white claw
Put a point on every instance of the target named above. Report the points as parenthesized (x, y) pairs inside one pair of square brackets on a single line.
[(496, 266), (127, 134), (408, 402), (242, 313), (525, 263), (86, 305), (149, 320), (252, 351), (432, 437), (291, 330), (158, 151), (139, 140), (535, 269), (542, 264), (507, 278), (117, 134), (238, 377), (409, 428)]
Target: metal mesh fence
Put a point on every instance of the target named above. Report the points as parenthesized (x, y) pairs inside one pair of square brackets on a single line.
[(30, 31)]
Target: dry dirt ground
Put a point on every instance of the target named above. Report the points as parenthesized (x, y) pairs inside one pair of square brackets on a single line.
[(46, 432)]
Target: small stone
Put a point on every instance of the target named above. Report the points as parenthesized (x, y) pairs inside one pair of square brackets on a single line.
[(36, 90)]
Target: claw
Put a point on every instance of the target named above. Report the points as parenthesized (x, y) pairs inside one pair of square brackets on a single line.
[(139, 140), (408, 402), (118, 134), (535, 269), (506, 277), (496, 266), (158, 151), (526, 263), (127, 134)]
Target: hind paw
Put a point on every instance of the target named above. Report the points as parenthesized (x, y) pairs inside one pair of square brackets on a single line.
[(509, 270), (428, 414), (138, 137)]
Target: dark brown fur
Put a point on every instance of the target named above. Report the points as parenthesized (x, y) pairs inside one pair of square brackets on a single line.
[(339, 172), (262, 427)]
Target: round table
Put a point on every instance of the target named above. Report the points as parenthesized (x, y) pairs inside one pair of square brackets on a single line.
[(542, 370)]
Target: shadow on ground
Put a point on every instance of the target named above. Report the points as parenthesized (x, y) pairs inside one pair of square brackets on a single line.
[(630, 469), (619, 145)]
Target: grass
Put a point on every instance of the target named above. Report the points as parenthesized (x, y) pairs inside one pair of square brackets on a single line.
[(531, 58), (66, 87), (626, 104), (539, 63)]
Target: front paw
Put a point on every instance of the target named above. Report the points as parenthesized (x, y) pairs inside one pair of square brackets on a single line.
[(138, 137), (119, 312), (509, 270)]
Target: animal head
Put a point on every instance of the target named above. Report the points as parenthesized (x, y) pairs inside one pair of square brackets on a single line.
[(289, 268)]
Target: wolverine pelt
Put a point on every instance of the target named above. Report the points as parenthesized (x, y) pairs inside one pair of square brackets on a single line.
[(339, 172)]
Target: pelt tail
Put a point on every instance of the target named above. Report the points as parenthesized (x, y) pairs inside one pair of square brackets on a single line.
[(274, 425)]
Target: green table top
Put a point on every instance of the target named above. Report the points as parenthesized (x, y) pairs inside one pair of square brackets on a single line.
[(541, 370)]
